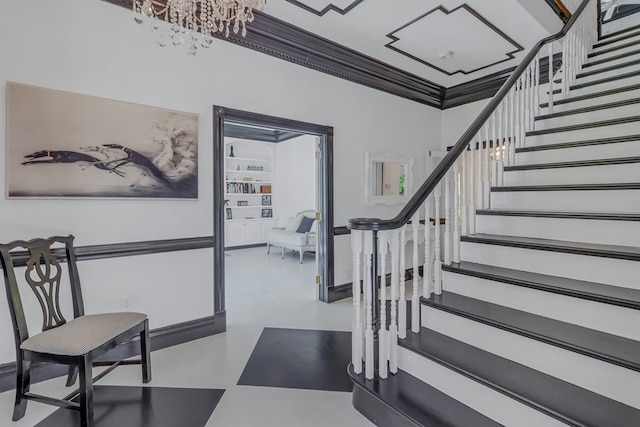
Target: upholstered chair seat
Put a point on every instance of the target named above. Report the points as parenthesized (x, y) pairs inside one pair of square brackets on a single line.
[(83, 334)]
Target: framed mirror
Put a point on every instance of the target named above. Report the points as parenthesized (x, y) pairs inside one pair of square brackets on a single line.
[(388, 178)]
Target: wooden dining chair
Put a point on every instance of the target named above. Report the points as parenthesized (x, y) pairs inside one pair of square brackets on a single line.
[(77, 342)]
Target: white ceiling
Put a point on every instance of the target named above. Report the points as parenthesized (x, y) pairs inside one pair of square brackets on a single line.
[(483, 36)]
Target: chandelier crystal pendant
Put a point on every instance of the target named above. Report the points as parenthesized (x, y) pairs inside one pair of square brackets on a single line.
[(198, 20)]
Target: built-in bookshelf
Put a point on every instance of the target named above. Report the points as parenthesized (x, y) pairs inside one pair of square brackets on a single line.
[(249, 184)]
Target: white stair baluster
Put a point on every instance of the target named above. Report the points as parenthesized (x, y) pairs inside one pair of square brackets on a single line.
[(502, 111), (458, 190), (512, 131), (415, 294), (521, 121), (551, 85), (473, 188), (383, 338), (464, 189), (480, 171), (402, 292), (393, 325), (536, 86), (368, 300), (437, 263), (486, 180), (495, 146), (357, 333), (427, 269), (447, 218)]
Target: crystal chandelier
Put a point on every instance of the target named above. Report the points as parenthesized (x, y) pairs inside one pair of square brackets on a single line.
[(197, 20)]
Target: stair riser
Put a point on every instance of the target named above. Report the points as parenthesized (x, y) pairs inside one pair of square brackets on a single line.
[(631, 94), (589, 152), (603, 174), (611, 84), (624, 233), (590, 314), (628, 68), (615, 42), (583, 134), (592, 116), (488, 402), (619, 25), (611, 63), (605, 378), (608, 271), (615, 52), (610, 201)]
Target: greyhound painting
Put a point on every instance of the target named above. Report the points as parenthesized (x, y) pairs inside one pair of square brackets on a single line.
[(96, 147)]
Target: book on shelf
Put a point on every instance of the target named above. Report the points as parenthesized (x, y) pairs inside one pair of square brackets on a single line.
[(240, 188)]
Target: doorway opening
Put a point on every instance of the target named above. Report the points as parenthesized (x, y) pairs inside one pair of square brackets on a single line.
[(264, 126)]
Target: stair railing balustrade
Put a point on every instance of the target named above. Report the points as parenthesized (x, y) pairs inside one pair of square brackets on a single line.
[(458, 186)]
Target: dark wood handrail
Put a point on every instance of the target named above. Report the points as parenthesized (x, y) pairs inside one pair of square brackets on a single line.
[(436, 176), (562, 7)]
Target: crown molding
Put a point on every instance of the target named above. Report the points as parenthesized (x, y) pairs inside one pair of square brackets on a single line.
[(282, 40)]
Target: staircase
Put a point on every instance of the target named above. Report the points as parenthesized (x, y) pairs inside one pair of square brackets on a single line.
[(538, 324)]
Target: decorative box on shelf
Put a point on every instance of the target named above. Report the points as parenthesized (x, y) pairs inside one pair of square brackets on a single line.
[(265, 189)]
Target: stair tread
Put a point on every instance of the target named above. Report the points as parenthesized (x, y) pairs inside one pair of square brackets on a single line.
[(557, 398), (592, 95), (424, 405), (608, 294), (589, 109), (610, 348), (631, 253), (582, 126), (569, 187), (576, 163), (562, 214), (597, 141)]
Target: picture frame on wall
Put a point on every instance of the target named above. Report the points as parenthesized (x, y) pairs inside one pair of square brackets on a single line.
[(267, 213), (266, 200), (229, 213), (97, 147)]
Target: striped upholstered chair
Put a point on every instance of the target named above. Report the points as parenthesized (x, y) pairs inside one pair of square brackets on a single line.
[(75, 343)]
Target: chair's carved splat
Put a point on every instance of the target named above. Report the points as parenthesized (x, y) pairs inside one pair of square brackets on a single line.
[(43, 276)]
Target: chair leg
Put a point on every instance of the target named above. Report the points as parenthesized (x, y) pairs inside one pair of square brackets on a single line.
[(145, 353), (86, 393), (72, 376), (268, 248), (23, 382), (282, 257), (301, 252)]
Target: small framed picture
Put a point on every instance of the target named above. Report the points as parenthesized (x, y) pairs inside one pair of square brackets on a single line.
[(243, 203), (266, 200), (266, 213), (229, 213)]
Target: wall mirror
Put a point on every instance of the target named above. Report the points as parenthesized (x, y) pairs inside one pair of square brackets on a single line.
[(388, 178)]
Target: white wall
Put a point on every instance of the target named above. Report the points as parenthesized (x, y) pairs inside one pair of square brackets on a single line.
[(455, 121), (296, 178), (95, 48)]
